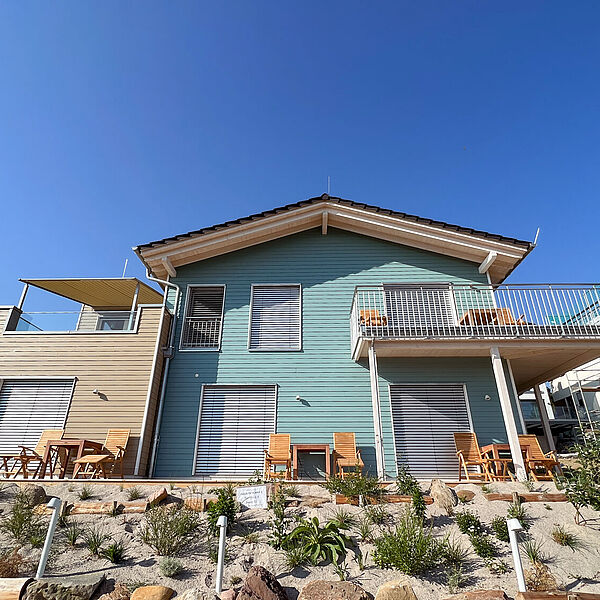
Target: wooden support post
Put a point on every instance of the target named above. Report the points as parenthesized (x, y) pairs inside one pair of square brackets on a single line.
[(544, 418), (373, 372)]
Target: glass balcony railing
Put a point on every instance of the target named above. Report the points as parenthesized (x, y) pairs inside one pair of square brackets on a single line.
[(40, 322)]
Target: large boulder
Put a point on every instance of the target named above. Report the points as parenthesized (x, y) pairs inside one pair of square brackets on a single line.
[(260, 584), (333, 590), (120, 592), (152, 592), (399, 589), (443, 496), (78, 587), (35, 493)]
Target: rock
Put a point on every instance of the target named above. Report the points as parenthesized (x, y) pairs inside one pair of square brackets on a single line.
[(229, 594), (333, 590), (396, 590), (77, 587), (480, 595), (465, 495), (194, 503), (313, 501), (443, 496), (93, 508), (13, 588), (158, 496), (121, 592), (196, 594), (261, 585), (35, 493), (134, 506), (152, 592)]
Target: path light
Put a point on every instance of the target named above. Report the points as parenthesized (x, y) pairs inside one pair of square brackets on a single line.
[(222, 524), (514, 526), (55, 504)]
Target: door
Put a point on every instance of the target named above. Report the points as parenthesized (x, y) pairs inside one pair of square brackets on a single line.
[(28, 406), (233, 429), (424, 419)]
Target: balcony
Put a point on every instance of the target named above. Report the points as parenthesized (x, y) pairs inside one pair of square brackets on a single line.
[(72, 322)]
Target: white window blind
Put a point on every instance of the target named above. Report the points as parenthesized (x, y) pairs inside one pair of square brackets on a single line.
[(203, 317), (28, 406), (233, 429), (275, 317), (425, 418)]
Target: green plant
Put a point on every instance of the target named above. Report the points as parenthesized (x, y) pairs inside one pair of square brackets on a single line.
[(256, 478), (341, 570), (486, 489), (547, 507), (36, 540), (172, 487), (22, 523), (63, 521), (468, 522), (361, 560), (418, 503), (85, 493), (534, 552), (213, 551), (279, 519), (12, 563), (497, 566), (225, 505), (250, 536), (169, 566), (406, 484), (364, 529), (134, 585), (343, 518), (94, 538), (453, 552), (167, 529), (235, 580), (500, 528), (354, 485), (378, 515), (115, 552), (517, 511), (295, 556), (565, 538), (134, 493), (72, 534), (483, 545), (529, 485), (291, 490), (455, 578), (325, 543), (411, 548)]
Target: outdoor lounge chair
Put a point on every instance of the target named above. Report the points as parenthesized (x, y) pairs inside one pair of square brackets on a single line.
[(23, 462), (469, 455), (372, 318), (279, 453), (111, 455), (345, 453), (537, 463)]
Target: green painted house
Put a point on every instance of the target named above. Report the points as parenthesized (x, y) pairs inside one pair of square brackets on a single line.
[(329, 315)]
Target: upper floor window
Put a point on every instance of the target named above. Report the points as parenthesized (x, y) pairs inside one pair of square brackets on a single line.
[(203, 319), (275, 321)]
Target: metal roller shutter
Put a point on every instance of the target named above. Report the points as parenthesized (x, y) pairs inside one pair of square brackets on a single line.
[(424, 419), (275, 317), (28, 406), (233, 429)]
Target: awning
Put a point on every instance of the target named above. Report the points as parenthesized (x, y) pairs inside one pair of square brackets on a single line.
[(111, 293)]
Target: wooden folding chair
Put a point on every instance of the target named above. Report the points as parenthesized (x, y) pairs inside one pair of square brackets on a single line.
[(16, 464), (536, 460), (345, 453), (113, 451), (469, 455), (279, 453), (372, 318)]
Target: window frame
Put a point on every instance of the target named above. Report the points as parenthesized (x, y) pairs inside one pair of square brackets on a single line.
[(184, 317), (300, 323)]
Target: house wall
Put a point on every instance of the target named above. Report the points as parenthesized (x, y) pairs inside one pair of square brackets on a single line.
[(117, 364), (334, 390)]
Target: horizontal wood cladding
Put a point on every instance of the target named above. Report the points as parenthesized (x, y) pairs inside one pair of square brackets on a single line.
[(118, 365)]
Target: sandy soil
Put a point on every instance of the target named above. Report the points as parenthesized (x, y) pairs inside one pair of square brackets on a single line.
[(578, 570)]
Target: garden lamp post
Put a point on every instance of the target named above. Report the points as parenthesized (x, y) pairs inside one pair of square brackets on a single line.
[(55, 504), (514, 526), (222, 525)]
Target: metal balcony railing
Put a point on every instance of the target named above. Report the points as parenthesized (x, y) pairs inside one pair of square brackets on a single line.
[(449, 311), (65, 321)]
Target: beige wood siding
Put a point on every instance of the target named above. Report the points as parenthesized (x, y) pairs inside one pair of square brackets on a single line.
[(119, 365)]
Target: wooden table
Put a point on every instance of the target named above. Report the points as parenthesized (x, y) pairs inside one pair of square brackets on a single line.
[(493, 451), (488, 316), (311, 448), (70, 447)]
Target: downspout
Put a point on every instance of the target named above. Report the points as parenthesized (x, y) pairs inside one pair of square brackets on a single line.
[(169, 354)]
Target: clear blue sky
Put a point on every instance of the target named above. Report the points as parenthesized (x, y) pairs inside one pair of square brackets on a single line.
[(121, 123)]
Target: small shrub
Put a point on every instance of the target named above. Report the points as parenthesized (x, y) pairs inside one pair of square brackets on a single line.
[(279, 519), (94, 538), (224, 505), (453, 552), (36, 540), (528, 485), (256, 478), (497, 566), (343, 518), (534, 552), (411, 548), (134, 493), (539, 578), (235, 580), (250, 536), (12, 564), (406, 484), (170, 566), (291, 490), (85, 493), (378, 515), (565, 538), (167, 529), (483, 545), (364, 529), (354, 485), (72, 534), (295, 556), (455, 579), (213, 552), (517, 511), (418, 504), (468, 522), (115, 553), (500, 528), (22, 523), (486, 489)]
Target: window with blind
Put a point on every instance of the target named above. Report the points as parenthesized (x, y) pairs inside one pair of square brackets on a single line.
[(275, 320), (203, 321)]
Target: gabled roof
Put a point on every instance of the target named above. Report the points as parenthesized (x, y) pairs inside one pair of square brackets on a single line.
[(503, 253)]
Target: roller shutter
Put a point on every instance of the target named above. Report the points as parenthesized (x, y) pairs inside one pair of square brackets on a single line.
[(28, 406), (424, 419), (233, 429)]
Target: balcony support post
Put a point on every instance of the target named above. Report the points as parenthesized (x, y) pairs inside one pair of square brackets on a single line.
[(507, 413), (544, 418), (373, 372)]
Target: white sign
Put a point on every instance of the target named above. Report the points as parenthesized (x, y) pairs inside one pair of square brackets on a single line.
[(252, 496)]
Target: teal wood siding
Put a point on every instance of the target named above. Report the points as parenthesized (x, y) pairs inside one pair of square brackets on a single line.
[(334, 390)]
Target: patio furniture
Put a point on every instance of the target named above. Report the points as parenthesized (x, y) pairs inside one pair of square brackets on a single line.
[(345, 453), (279, 453), (372, 318), (20, 463), (500, 458), (61, 450), (111, 454), (297, 448), (470, 455), (490, 316), (536, 460)]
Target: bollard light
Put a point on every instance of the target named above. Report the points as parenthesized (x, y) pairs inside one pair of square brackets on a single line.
[(222, 525), (55, 504), (514, 526)]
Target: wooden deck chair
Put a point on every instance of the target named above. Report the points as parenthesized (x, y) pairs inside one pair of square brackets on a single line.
[(372, 318), (279, 453), (23, 462), (345, 453), (537, 463), (469, 455), (111, 455)]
